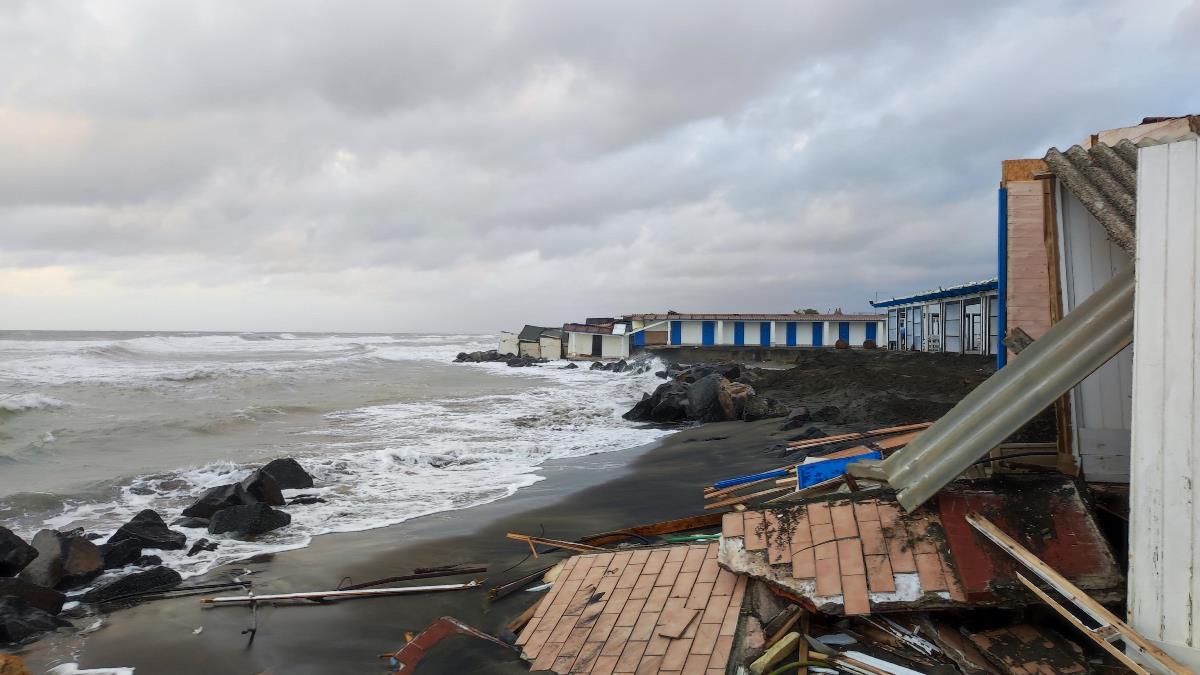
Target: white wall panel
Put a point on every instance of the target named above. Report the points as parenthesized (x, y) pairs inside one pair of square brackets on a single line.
[(1164, 593), (691, 332)]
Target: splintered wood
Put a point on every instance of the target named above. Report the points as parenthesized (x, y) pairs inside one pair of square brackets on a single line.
[(668, 610), (845, 557)]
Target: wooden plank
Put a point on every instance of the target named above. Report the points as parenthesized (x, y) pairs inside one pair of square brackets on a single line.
[(816, 442), (1104, 644), (1085, 603), (745, 498), (697, 522), (556, 543)]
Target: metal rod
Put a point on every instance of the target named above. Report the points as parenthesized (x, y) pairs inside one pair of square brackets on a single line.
[(317, 595)]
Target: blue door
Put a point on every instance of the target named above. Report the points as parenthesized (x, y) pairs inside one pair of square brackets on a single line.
[(739, 333), (764, 334), (871, 328), (818, 334), (791, 334), (639, 339), (844, 331), (676, 333), (708, 333)]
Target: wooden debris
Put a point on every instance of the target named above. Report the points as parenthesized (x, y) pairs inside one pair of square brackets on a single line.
[(655, 529), (337, 595), (775, 653), (406, 659), (1111, 628), (515, 585), (556, 543), (414, 577), (1030, 649), (817, 442)]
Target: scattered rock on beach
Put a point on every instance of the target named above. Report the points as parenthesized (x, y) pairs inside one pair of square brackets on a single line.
[(248, 519), (304, 500), (667, 404), (120, 553), (263, 488), (64, 560), (147, 561), (714, 398), (524, 361), (20, 620), (220, 497), (570, 366), (202, 545), (155, 578), (761, 408), (796, 418), (190, 521), (15, 554), (149, 530), (288, 474), (45, 599), (480, 357)]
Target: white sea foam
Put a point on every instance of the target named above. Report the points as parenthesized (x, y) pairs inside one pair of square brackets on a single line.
[(378, 465), (24, 402)]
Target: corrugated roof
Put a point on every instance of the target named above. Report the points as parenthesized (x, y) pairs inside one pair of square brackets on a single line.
[(791, 316), (587, 328), (530, 333), (1104, 179), (969, 288)]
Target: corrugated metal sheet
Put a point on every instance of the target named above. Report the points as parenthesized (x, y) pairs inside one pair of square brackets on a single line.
[(587, 328), (530, 333), (969, 288), (1164, 542), (1104, 178)]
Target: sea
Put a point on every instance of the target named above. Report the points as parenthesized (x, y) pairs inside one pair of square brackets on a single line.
[(95, 427)]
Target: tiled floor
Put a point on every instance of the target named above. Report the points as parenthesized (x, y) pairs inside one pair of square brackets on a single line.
[(853, 554), (662, 610)]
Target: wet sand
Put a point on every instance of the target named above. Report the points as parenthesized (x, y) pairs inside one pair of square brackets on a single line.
[(579, 497)]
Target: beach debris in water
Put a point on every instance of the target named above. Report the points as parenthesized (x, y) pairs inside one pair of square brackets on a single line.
[(414, 577), (337, 595), (406, 659)]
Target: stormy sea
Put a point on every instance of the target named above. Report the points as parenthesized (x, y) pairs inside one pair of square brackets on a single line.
[(95, 427)]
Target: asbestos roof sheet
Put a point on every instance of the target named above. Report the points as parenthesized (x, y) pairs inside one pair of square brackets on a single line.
[(791, 316), (587, 328), (662, 610), (969, 288), (1104, 179)]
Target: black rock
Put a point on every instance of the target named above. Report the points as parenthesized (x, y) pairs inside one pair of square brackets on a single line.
[(45, 599), (667, 404), (15, 554), (263, 488), (660, 374), (288, 474), (570, 366), (202, 545), (304, 500), (761, 408), (120, 553), (149, 530), (63, 561), (248, 519), (220, 497), (148, 561), (20, 620), (797, 418), (596, 365), (153, 579), (190, 521)]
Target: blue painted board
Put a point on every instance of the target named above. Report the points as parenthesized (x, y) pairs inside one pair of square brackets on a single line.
[(871, 328), (791, 334), (639, 339), (764, 334), (844, 330), (676, 333), (739, 333), (730, 482), (811, 474), (818, 329), (708, 333)]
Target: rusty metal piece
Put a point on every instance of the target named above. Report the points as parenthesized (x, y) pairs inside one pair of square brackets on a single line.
[(406, 659)]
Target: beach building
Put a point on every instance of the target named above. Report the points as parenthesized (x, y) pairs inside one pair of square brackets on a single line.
[(551, 343), (604, 341), (960, 319), (509, 344)]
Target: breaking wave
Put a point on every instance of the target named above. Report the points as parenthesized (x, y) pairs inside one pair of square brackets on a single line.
[(17, 403)]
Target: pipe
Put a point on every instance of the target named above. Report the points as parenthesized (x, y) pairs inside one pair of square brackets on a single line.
[(1072, 349), (1002, 281)]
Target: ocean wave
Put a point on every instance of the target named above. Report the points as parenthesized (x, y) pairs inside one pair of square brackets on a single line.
[(25, 402)]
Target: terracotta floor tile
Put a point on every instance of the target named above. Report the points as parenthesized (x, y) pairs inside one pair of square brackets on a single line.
[(654, 561), (604, 665), (629, 576), (730, 622), (639, 557), (630, 613), (658, 597), (822, 534), (844, 524), (547, 656), (879, 574), (676, 554), (695, 664), (854, 594), (720, 653), (616, 641), (582, 599), (643, 586), (850, 556), (670, 570), (701, 592), (562, 629), (706, 638), (657, 646), (754, 527), (731, 524), (586, 659), (866, 511), (709, 570), (694, 559), (616, 601), (929, 567), (818, 514), (536, 641), (918, 529), (602, 628), (714, 549), (829, 577), (630, 657), (683, 584), (676, 656), (725, 582), (649, 665), (714, 611), (644, 628), (871, 533)]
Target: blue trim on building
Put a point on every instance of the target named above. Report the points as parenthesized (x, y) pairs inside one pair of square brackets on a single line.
[(764, 334), (872, 330), (818, 334), (639, 339), (708, 333), (791, 333), (676, 333), (970, 289), (739, 333), (1002, 280), (844, 331)]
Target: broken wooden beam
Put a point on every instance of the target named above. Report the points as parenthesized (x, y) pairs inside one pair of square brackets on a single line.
[(336, 595), (655, 529), (555, 543)]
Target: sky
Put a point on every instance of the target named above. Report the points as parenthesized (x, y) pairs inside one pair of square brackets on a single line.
[(474, 166)]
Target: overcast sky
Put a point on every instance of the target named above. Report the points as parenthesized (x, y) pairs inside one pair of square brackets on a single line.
[(446, 166)]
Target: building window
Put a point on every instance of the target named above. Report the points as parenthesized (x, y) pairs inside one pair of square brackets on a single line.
[(953, 325), (973, 325), (891, 329)]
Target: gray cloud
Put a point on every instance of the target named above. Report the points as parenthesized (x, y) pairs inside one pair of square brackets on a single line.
[(471, 166)]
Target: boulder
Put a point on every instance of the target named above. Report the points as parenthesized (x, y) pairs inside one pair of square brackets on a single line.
[(15, 554), (155, 578), (596, 365), (20, 620), (63, 560), (148, 529), (202, 545), (190, 521), (570, 366), (712, 399), (45, 599), (220, 497), (248, 519), (288, 474), (761, 408), (147, 561), (120, 553), (524, 361), (796, 418), (263, 488), (670, 403), (304, 500)]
